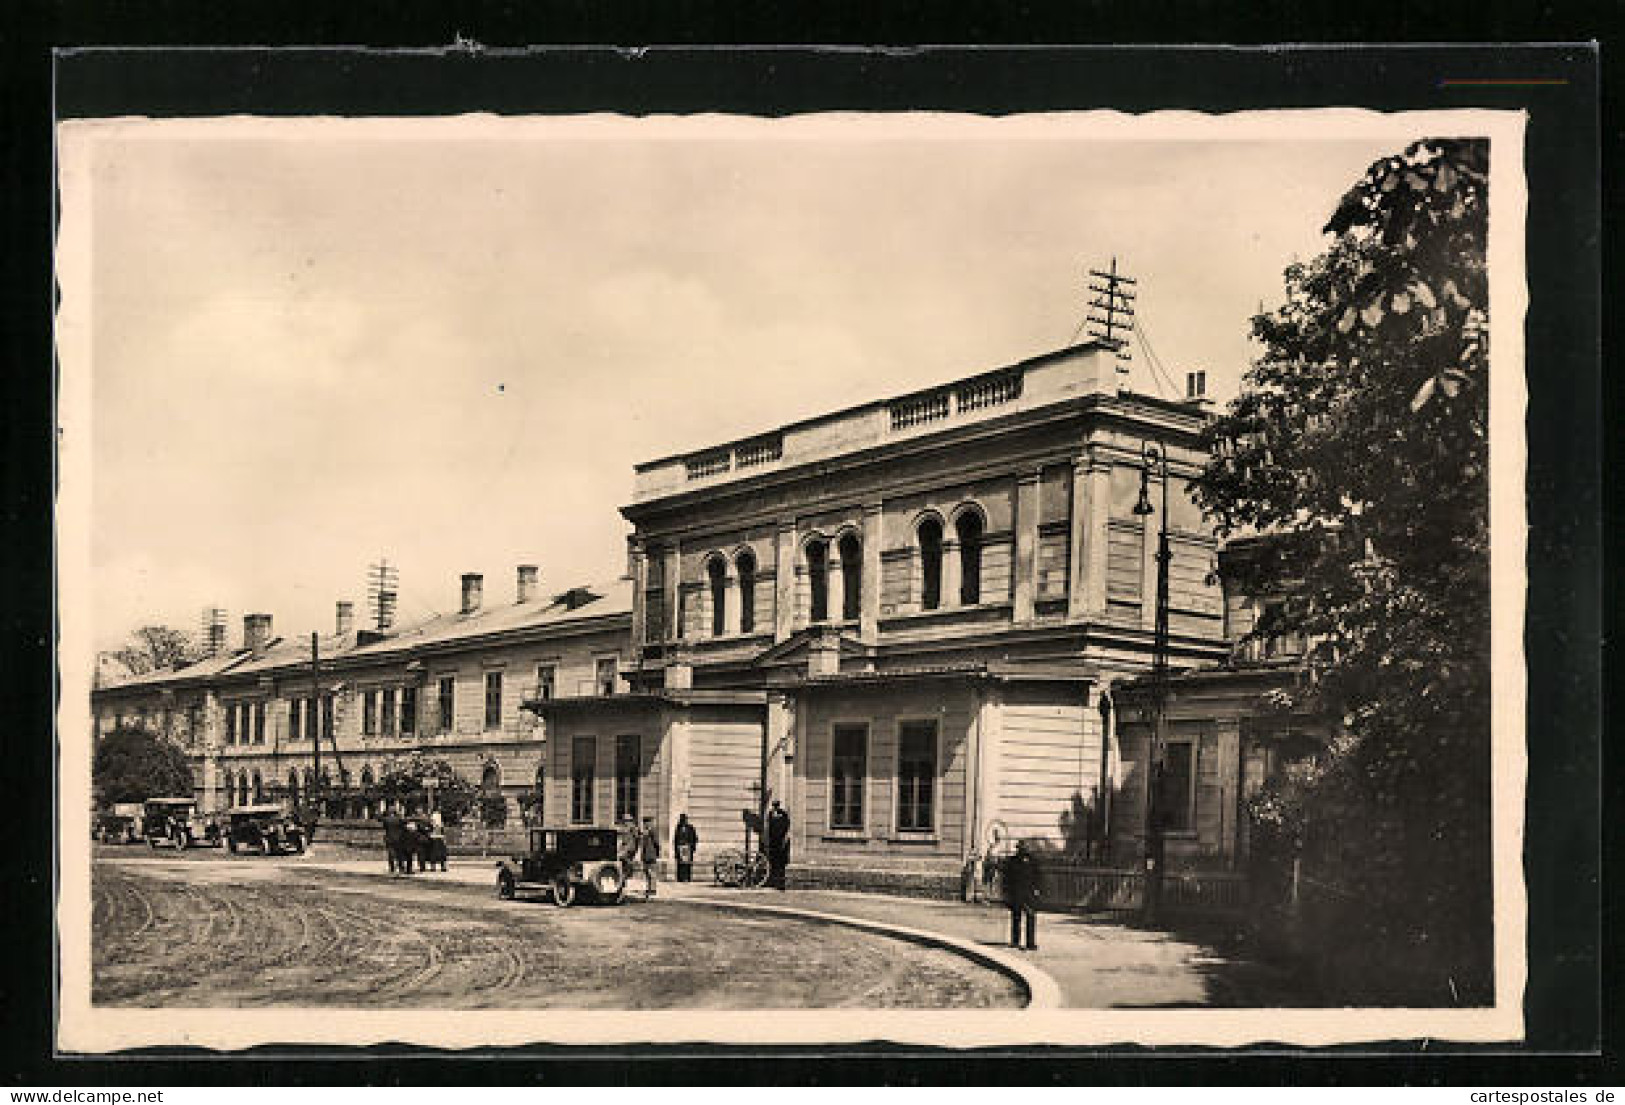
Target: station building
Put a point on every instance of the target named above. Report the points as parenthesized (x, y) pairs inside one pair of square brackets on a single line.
[(906, 618)]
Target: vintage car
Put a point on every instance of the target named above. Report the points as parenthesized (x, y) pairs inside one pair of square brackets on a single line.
[(119, 825), (267, 829), (177, 823), (566, 863)]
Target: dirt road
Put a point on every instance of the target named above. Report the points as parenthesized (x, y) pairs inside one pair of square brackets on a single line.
[(182, 933)]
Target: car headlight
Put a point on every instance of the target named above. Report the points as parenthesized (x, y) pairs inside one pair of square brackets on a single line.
[(609, 880)]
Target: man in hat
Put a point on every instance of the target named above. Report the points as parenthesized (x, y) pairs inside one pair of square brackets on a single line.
[(648, 855), (778, 845), (1022, 890)]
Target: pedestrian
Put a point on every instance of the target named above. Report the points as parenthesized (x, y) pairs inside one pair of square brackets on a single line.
[(648, 855), (685, 841), (437, 839), (778, 845), (1023, 888), (628, 836), (394, 831)]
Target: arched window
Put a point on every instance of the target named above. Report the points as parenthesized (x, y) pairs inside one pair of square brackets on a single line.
[(259, 788), (293, 785), (851, 550), (969, 528), (930, 533), (491, 779), (818, 580), (745, 566), (242, 789), (229, 788), (366, 777), (717, 569), (310, 784)]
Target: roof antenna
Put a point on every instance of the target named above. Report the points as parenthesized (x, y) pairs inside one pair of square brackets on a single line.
[(383, 589), (1111, 312)]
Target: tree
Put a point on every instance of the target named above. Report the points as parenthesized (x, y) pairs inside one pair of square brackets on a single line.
[(1360, 444), (132, 765), (155, 648), (408, 781)]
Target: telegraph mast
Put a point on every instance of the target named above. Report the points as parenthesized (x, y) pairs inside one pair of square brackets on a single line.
[(383, 590), (1111, 311)]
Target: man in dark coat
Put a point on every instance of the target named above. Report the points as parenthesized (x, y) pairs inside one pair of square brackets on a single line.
[(1023, 887), (685, 841), (778, 845), (395, 840)]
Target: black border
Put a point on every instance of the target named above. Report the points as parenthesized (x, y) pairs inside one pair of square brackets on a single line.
[(1565, 597)]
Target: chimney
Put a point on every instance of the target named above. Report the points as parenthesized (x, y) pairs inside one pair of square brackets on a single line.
[(528, 583), (256, 631), (343, 617), (473, 588)]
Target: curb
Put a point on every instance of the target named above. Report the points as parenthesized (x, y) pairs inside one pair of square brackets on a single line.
[(1043, 992)]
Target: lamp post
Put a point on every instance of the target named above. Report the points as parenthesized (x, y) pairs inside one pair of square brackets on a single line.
[(1154, 458)]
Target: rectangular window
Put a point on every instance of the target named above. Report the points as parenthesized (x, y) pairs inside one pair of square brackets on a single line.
[(583, 777), (916, 776), (493, 700), (448, 700), (293, 719), (312, 725), (546, 674), (605, 672), (409, 711), (231, 724), (387, 722), (627, 773), (244, 722), (1176, 790), (259, 723), (369, 713), (848, 764), (327, 715)]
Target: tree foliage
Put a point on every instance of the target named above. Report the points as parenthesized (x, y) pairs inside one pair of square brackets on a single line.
[(155, 648), (1360, 445), (409, 780), (133, 765)]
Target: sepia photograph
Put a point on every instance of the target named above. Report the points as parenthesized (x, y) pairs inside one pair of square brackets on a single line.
[(921, 577)]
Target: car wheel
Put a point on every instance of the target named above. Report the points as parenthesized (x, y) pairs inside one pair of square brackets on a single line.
[(505, 889), (564, 892)]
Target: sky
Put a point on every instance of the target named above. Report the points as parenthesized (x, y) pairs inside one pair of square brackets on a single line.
[(314, 346)]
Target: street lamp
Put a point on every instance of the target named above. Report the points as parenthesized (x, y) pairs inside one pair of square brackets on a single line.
[(1154, 458)]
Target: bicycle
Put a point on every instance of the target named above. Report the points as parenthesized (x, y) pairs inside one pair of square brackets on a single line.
[(734, 867)]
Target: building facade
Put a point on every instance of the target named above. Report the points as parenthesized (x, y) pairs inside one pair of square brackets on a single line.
[(450, 687), (905, 619), (922, 624)]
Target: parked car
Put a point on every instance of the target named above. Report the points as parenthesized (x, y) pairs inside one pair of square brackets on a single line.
[(566, 863), (177, 823), (268, 829), (119, 825)]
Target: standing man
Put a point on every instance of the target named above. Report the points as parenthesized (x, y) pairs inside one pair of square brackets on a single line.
[(778, 845), (685, 841), (648, 855), (394, 834), (1022, 890)]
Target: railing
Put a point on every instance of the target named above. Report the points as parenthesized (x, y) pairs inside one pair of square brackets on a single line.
[(1070, 886), (709, 464), (919, 409), (988, 392), (762, 451)]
